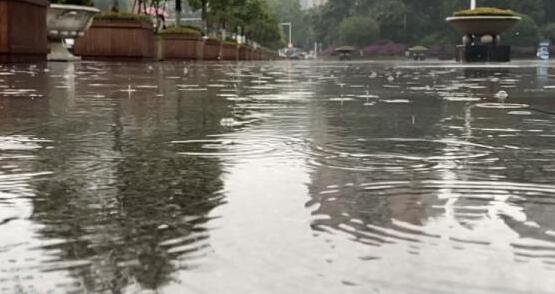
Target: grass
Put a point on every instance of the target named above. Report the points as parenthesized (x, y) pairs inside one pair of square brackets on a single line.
[(183, 30), (485, 11), (122, 16), (230, 42)]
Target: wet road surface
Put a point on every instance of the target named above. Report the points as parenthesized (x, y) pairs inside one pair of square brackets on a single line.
[(306, 177)]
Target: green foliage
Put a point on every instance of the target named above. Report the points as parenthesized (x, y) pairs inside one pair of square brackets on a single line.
[(485, 11), (548, 31), (359, 30), (73, 2), (122, 16), (289, 11), (525, 33), (230, 42), (423, 21), (250, 17), (183, 30)]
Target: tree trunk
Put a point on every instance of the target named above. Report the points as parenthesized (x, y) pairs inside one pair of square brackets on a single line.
[(177, 13)]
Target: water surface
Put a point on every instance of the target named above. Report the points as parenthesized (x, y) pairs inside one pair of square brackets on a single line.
[(304, 177)]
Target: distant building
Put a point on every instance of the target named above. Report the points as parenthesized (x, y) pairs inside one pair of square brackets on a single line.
[(307, 4)]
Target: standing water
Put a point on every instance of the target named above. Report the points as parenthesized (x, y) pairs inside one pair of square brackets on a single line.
[(279, 177)]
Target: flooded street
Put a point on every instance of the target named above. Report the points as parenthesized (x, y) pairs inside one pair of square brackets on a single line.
[(283, 177)]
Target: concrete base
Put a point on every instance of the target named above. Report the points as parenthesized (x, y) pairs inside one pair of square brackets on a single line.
[(58, 52), (484, 53), (23, 30)]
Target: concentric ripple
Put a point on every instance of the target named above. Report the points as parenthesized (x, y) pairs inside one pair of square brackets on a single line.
[(452, 213), (394, 154), (248, 146)]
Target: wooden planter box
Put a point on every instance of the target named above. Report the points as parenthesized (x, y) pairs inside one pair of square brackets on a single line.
[(117, 39), (23, 30), (229, 51), (243, 53), (257, 54), (251, 53), (178, 46), (211, 50)]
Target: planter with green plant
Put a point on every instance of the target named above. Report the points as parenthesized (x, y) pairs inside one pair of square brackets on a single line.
[(482, 28), (211, 49), (184, 42), (23, 30), (118, 35), (243, 52), (484, 20), (230, 50), (67, 19)]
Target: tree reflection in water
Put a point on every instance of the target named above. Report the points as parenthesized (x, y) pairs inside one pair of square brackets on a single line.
[(126, 209)]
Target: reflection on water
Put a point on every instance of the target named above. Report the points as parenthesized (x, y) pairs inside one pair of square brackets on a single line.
[(284, 177)]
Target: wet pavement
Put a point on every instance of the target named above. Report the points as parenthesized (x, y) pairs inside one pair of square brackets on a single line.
[(303, 177)]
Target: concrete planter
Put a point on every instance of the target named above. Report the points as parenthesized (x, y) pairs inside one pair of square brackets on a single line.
[(243, 53), (480, 25), (481, 40), (178, 46), (252, 55), (229, 51), (211, 50), (23, 30), (66, 21), (117, 39)]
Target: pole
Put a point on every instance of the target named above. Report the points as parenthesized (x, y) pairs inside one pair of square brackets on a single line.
[(290, 45), (290, 41), (472, 4), (177, 13)]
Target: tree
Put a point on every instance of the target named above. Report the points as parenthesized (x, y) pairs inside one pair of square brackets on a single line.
[(423, 21), (290, 11), (261, 25), (525, 33), (252, 17), (548, 32), (359, 30)]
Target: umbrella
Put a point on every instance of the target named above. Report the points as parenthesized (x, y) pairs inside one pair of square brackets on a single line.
[(418, 48), (345, 49)]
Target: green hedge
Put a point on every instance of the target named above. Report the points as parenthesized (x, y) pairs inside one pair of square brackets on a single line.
[(230, 42), (485, 11), (185, 30)]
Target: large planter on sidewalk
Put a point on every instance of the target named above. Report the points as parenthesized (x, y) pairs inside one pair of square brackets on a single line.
[(63, 22), (229, 51), (184, 43), (211, 49), (120, 39), (23, 30), (482, 29), (258, 54), (251, 54), (243, 53)]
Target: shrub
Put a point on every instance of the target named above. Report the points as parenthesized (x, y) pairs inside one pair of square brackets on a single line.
[(485, 11), (548, 31), (230, 42), (525, 33), (359, 30), (183, 30), (385, 47)]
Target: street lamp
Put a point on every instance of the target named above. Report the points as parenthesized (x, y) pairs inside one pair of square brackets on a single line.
[(290, 29)]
